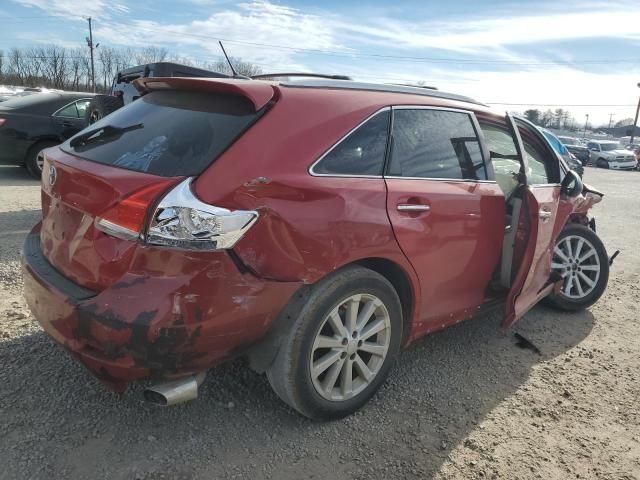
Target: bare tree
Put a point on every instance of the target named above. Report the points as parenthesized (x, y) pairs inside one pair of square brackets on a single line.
[(70, 68), (241, 66), (151, 55)]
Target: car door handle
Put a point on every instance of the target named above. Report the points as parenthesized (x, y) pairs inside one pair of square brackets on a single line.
[(67, 124), (412, 207)]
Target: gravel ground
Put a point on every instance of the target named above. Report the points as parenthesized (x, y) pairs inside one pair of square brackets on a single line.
[(463, 403)]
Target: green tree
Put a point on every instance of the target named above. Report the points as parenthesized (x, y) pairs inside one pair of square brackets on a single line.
[(533, 115)]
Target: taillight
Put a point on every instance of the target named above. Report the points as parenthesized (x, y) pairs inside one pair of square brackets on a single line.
[(3, 121), (181, 220), (126, 219)]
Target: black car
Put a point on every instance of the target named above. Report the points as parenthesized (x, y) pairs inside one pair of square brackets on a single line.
[(581, 152), (32, 123)]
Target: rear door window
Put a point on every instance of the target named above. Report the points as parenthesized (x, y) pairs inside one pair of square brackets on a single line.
[(167, 133), (74, 110), (435, 144), (361, 153)]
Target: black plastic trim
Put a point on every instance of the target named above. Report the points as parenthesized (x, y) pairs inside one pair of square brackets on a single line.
[(36, 260)]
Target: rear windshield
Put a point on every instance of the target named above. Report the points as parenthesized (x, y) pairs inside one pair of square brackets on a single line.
[(167, 133)]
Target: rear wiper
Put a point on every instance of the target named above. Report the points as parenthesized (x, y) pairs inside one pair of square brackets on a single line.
[(102, 133)]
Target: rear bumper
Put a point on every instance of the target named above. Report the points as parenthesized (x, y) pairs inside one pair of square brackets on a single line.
[(152, 327)]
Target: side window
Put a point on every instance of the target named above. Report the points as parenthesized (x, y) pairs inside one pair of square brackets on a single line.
[(81, 106), (536, 161), (68, 111), (435, 144), (504, 156), (361, 153)]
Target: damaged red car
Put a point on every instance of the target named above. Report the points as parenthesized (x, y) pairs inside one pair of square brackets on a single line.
[(315, 227)]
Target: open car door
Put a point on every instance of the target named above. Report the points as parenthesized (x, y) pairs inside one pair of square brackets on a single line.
[(545, 210)]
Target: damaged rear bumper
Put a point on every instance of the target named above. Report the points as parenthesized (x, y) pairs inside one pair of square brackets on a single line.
[(152, 327)]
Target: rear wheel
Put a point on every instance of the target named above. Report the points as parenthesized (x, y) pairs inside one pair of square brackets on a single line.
[(100, 106), (340, 349), (580, 258), (34, 159)]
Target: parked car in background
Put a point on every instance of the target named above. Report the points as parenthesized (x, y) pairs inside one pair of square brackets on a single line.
[(32, 123), (123, 91), (571, 160), (609, 154), (635, 148), (235, 217), (575, 146)]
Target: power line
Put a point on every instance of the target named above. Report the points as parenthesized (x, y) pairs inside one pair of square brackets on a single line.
[(351, 54)]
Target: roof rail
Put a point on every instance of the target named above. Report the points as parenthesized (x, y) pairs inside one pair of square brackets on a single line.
[(378, 87), (298, 74), (428, 87)]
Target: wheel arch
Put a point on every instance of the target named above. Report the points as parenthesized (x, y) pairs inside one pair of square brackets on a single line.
[(399, 278), (262, 354)]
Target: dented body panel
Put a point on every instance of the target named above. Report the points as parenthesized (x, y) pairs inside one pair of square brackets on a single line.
[(170, 315)]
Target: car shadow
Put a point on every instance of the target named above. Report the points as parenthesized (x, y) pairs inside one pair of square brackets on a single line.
[(439, 391), (14, 176), (15, 226)]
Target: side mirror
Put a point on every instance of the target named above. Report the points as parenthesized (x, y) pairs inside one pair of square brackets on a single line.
[(571, 185)]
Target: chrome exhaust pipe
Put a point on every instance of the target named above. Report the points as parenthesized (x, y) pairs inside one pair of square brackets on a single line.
[(175, 391)]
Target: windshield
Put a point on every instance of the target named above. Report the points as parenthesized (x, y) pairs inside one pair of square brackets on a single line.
[(167, 133), (608, 147)]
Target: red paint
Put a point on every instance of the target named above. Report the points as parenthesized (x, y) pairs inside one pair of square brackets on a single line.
[(454, 247), (162, 312)]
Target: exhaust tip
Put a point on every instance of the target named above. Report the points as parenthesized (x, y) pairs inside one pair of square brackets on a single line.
[(154, 397), (176, 391)]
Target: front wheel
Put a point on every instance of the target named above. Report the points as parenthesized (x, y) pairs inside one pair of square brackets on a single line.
[(341, 347), (580, 258), (602, 163)]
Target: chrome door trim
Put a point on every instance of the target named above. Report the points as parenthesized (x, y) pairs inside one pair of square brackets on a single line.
[(412, 207), (335, 145)]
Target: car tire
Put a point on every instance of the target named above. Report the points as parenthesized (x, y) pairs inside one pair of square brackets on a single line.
[(589, 259), (305, 366), (100, 106), (31, 161), (602, 163)]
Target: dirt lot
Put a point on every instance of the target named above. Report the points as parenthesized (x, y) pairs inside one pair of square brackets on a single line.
[(463, 403)]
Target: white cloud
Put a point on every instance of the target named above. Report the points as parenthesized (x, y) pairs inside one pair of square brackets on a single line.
[(252, 24), (76, 8), (477, 34)]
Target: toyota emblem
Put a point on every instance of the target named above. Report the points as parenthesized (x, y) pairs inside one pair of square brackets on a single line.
[(53, 174)]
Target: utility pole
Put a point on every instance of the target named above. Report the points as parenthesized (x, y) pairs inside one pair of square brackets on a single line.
[(91, 47), (635, 122), (610, 120), (586, 120)]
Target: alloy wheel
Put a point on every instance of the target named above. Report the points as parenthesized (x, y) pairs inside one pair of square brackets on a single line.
[(350, 347), (40, 160), (577, 262)]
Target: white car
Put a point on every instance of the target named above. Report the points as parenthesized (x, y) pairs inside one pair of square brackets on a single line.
[(608, 154)]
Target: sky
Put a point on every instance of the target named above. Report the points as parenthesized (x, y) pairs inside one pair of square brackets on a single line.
[(580, 55)]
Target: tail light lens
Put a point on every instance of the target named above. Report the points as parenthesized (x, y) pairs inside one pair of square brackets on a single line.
[(3, 121), (181, 220), (126, 220)]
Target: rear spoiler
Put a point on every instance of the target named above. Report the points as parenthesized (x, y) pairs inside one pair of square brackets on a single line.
[(258, 93)]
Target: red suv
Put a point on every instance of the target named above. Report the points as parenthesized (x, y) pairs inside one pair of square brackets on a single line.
[(315, 227)]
